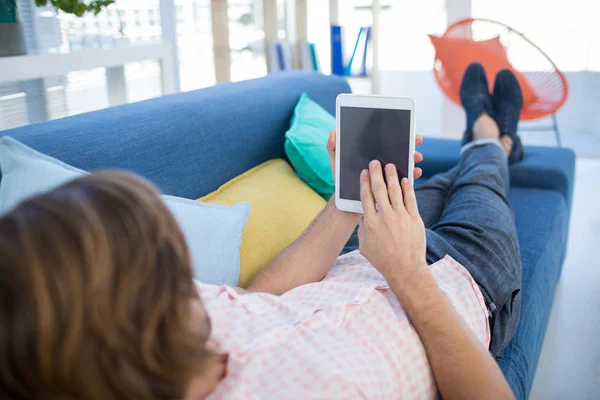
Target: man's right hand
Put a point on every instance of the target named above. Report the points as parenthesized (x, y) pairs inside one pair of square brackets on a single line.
[(392, 234)]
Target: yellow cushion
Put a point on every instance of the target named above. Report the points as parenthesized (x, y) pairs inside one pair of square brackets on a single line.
[(281, 208)]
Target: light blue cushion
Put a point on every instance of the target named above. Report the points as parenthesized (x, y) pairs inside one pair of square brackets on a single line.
[(213, 232), (305, 145)]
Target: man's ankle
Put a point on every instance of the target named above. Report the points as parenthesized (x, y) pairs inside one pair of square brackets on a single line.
[(485, 128)]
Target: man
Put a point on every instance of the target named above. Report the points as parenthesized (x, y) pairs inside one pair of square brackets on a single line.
[(457, 219), (98, 300)]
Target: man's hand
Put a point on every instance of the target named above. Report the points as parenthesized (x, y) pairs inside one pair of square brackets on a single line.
[(417, 172), (392, 238), (392, 234)]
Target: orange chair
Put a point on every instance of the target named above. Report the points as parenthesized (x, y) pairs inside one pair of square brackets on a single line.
[(550, 87)]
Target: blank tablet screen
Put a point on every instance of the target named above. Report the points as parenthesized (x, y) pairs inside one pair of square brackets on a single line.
[(368, 134)]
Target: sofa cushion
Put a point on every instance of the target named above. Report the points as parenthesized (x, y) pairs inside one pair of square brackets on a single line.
[(305, 145), (213, 232), (281, 208), (188, 144), (541, 219)]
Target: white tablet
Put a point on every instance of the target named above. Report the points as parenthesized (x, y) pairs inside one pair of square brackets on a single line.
[(371, 128)]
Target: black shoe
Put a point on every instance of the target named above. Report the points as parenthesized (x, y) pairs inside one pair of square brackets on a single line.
[(475, 97), (507, 101)]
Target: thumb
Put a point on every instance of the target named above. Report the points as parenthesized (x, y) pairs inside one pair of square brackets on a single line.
[(331, 143)]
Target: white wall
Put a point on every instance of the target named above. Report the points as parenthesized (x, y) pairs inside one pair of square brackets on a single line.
[(578, 119)]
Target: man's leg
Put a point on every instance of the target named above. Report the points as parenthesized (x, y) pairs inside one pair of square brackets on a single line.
[(431, 196), (476, 227)]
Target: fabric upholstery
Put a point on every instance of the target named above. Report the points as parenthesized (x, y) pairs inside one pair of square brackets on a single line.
[(281, 208), (541, 219), (548, 168)]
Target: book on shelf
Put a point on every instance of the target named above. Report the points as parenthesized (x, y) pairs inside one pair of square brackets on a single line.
[(308, 57), (363, 70), (337, 56), (314, 58), (356, 64), (280, 55)]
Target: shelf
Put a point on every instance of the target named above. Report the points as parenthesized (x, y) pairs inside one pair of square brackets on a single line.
[(46, 65)]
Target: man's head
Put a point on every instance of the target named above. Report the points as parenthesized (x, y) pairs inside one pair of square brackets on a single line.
[(97, 299)]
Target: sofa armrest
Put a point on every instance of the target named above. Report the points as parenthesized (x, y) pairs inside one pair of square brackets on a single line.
[(550, 168)]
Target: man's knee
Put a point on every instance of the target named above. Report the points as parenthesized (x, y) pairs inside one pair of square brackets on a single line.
[(487, 175)]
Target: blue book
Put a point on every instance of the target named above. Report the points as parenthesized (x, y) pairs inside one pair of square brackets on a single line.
[(364, 60), (348, 69), (280, 56), (337, 57)]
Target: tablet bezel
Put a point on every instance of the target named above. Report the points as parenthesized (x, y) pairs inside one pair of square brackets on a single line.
[(378, 102)]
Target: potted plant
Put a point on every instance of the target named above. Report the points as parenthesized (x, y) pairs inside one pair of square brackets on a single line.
[(12, 42), (76, 7)]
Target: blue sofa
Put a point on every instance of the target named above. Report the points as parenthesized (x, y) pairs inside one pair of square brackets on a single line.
[(191, 143)]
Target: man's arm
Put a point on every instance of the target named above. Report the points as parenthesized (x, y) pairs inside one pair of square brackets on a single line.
[(462, 366), (392, 238), (309, 258)]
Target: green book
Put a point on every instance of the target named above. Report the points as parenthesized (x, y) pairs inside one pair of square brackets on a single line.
[(313, 56)]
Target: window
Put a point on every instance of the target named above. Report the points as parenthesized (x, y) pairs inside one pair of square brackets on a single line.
[(194, 36), (404, 28), (246, 39), (319, 31), (81, 91), (568, 31)]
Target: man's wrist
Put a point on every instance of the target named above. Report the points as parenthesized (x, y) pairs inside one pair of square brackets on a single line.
[(351, 217), (412, 284)]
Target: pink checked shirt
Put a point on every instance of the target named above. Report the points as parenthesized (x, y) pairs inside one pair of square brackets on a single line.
[(346, 337)]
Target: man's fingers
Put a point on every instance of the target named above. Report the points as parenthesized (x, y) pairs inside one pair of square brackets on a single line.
[(410, 200), (393, 186), (418, 140), (418, 157), (366, 195), (417, 172), (378, 186)]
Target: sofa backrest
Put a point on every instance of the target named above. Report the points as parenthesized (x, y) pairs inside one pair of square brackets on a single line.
[(188, 143)]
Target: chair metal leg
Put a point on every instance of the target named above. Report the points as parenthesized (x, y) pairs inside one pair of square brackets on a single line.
[(556, 132)]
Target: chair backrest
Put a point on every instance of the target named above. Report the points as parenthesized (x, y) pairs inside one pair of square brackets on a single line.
[(188, 143), (548, 82)]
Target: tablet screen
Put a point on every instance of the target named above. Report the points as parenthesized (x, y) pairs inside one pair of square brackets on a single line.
[(368, 134)]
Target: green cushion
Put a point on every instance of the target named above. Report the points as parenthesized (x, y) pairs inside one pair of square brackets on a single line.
[(305, 145)]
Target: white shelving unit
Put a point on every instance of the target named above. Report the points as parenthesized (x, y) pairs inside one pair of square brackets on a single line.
[(47, 65), (370, 84)]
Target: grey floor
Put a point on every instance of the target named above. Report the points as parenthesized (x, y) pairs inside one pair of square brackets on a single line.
[(569, 366)]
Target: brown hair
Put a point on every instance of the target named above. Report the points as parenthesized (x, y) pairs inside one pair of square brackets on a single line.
[(96, 295)]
